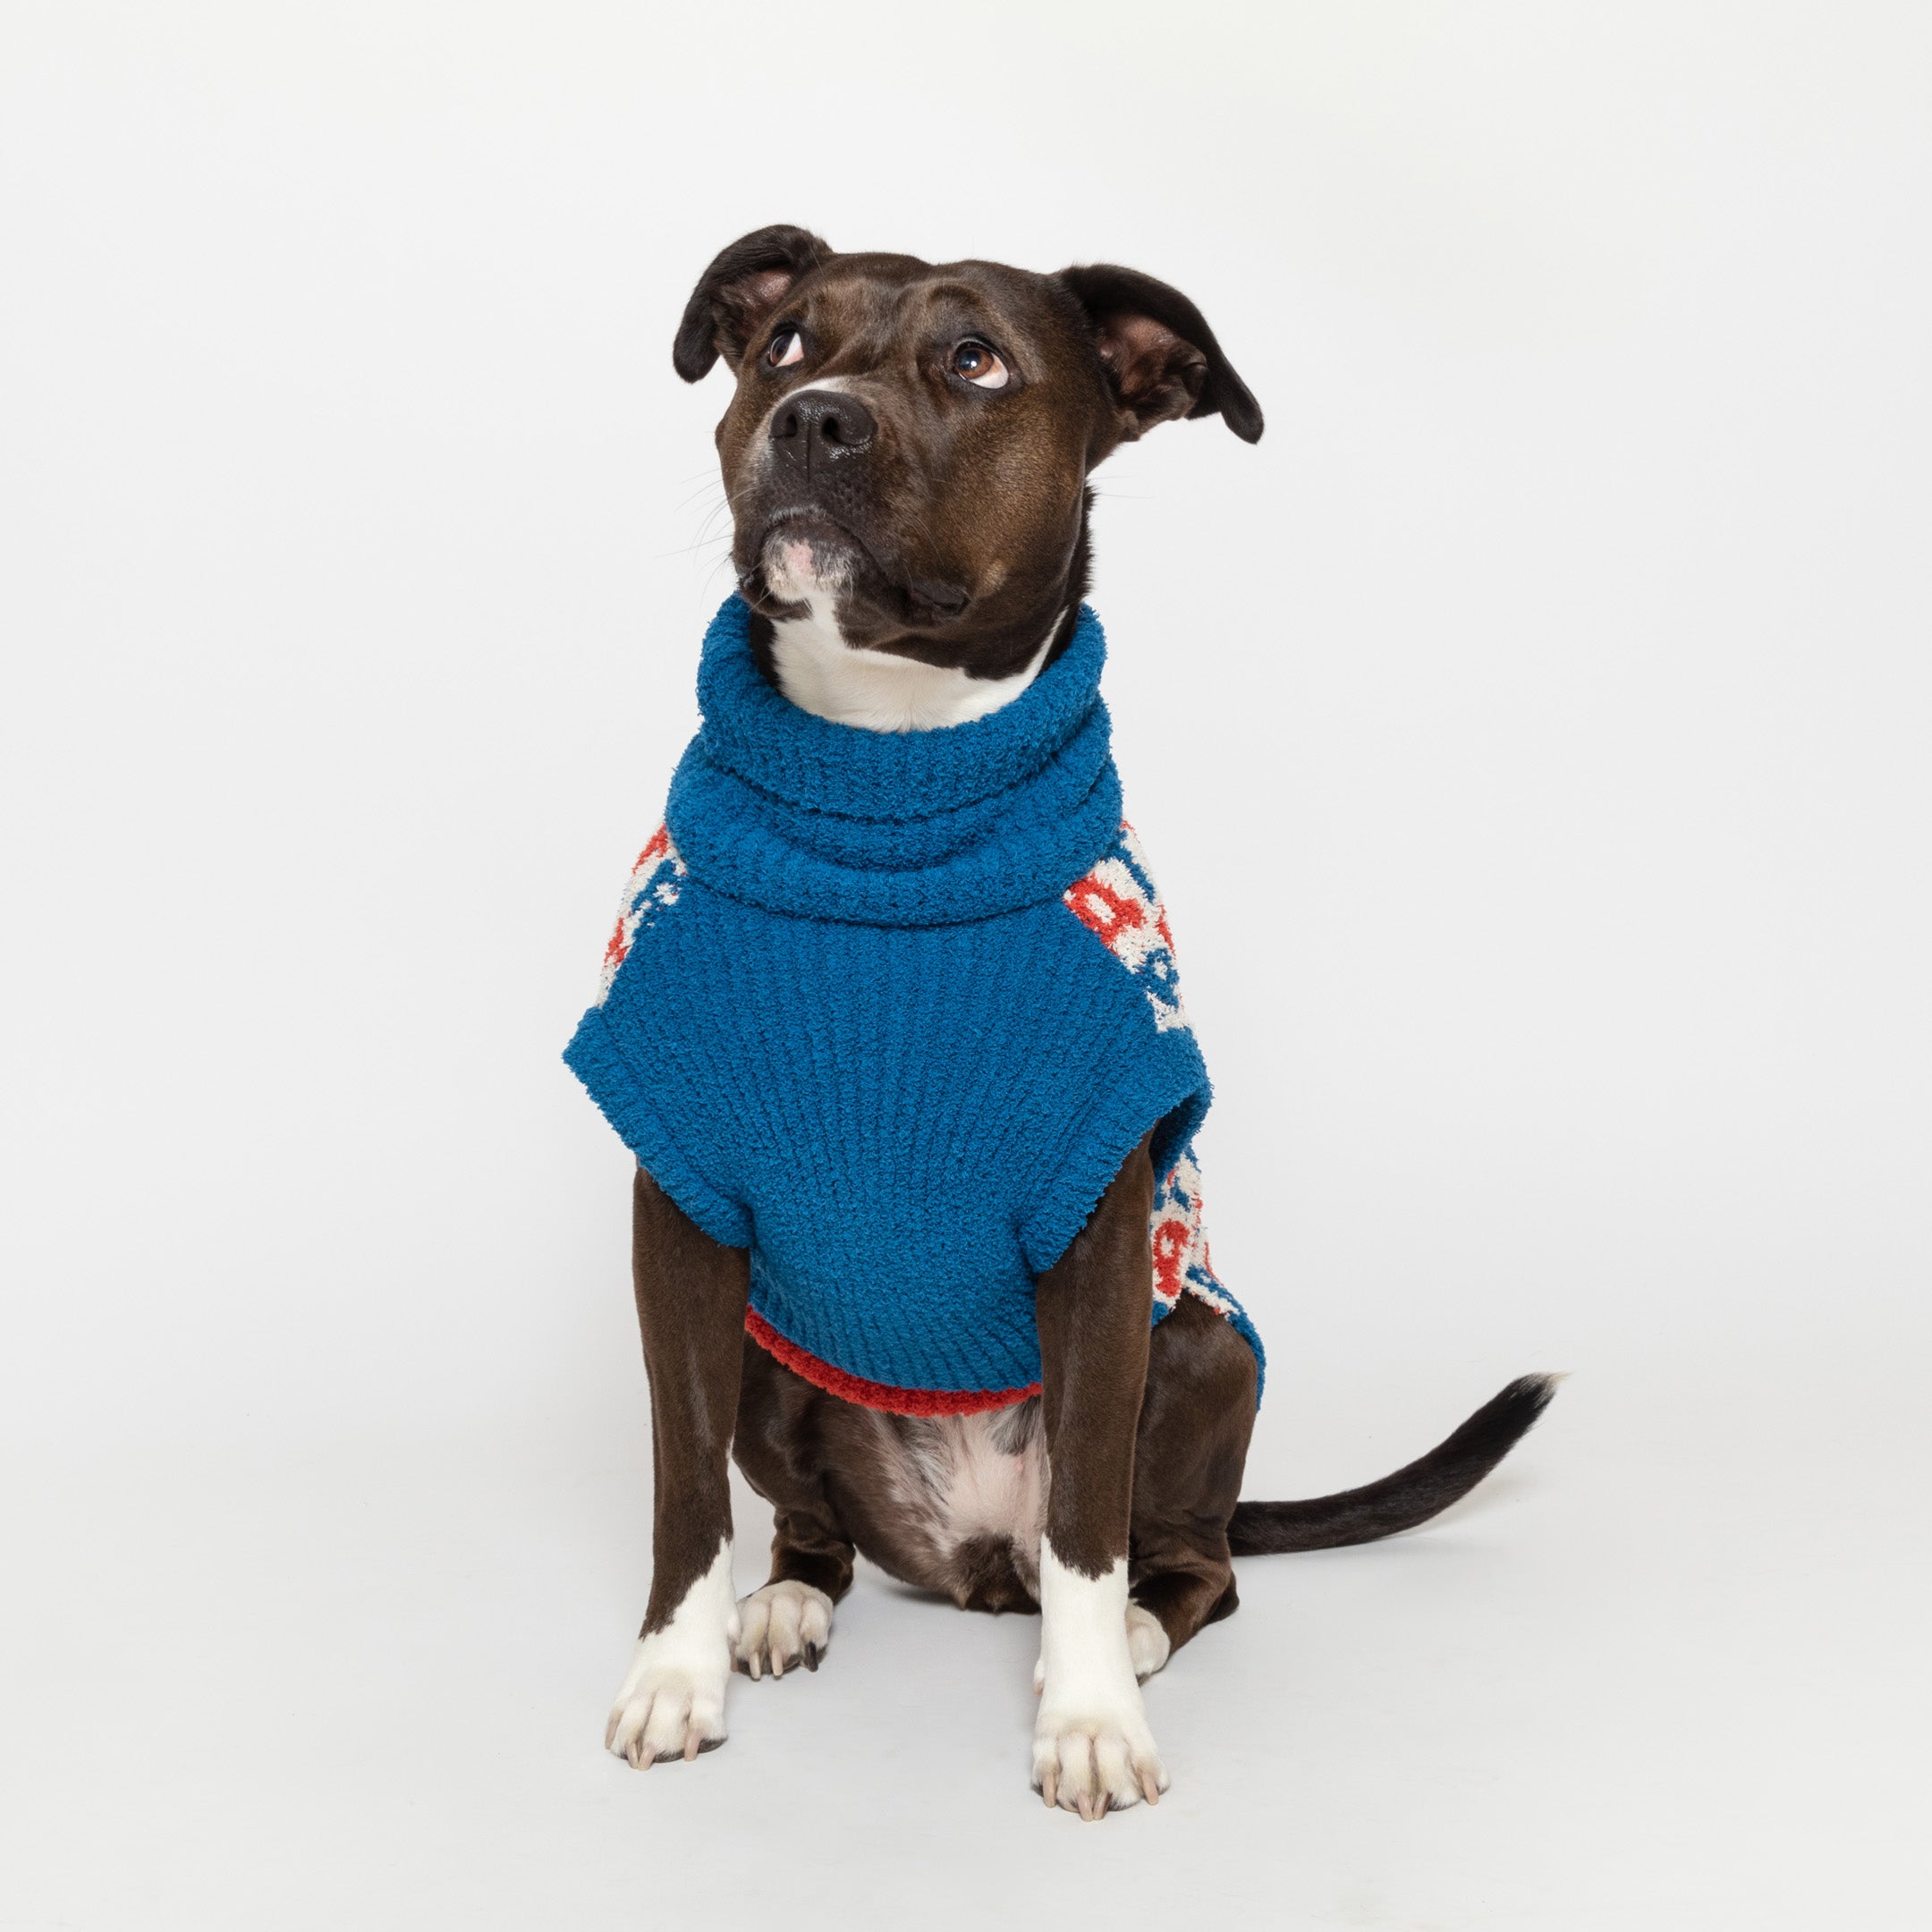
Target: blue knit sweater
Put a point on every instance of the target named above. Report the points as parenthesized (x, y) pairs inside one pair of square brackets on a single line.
[(891, 1010)]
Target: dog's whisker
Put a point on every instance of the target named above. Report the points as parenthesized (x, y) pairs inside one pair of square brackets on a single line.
[(690, 549)]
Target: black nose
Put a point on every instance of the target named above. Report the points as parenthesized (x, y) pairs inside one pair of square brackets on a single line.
[(816, 425)]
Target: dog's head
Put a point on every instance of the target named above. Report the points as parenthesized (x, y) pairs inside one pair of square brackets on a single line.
[(910, 442)]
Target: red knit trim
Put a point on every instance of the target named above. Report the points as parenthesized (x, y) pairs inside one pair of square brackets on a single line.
[(883, 1395)]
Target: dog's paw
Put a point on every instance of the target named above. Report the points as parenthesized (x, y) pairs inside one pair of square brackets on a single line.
[(1098, 1757), (665, 1710), (782, 1626), (1148, 1648), (672, 1701)]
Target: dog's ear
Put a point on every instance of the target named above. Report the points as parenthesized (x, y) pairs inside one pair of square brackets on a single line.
[(738, 292), (1161, 359)]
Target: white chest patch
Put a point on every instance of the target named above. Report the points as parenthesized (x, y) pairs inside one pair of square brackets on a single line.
[(820, 673), (961, 1477), (994, 1485)]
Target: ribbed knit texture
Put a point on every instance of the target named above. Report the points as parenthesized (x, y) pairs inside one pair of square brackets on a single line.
[(890, 1010)]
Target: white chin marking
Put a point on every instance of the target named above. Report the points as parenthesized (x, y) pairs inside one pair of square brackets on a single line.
[(1092, 1751), (782, 1626), (820, 673), (793, 571), (672, 1701)]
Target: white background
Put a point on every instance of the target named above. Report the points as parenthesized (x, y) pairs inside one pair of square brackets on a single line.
[(1532, 737)]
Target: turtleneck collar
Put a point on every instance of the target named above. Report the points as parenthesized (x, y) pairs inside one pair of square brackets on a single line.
[(796, 814)]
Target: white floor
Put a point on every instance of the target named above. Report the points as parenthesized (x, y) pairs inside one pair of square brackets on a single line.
[(1530, 735), (1666, 1670)]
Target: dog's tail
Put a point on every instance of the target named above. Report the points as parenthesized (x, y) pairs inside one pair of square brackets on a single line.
[(1412, 1496)]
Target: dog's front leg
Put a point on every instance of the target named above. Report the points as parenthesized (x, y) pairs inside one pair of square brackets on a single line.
[(1092, 1751), (691, 1299)]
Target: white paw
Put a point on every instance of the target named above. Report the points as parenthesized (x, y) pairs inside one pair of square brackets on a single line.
[(663, 1713), (1092, 1751), (1148, 1648), (672, 1701), (1098, 1754), (782, 1626)]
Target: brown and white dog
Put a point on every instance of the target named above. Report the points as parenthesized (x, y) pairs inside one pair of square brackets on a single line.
[(906, 455)]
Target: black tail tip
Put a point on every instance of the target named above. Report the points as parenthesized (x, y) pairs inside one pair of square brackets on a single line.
[(1496, 1428), (1516, 1410), (1538, 1390)]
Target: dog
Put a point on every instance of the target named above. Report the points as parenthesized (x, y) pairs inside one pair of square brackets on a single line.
[(906, 455)]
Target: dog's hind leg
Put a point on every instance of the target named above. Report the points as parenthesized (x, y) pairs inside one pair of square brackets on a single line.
[(691, 1292), (788, 1622), (1196, 1418)]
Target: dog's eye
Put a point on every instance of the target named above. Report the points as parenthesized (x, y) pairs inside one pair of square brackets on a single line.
[(980, 366), (787, 347)]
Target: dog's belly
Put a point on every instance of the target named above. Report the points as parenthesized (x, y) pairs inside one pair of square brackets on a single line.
[(959, 1503)]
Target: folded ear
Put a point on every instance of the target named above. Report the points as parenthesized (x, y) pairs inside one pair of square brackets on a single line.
[(1161, 359), (738, 292)]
